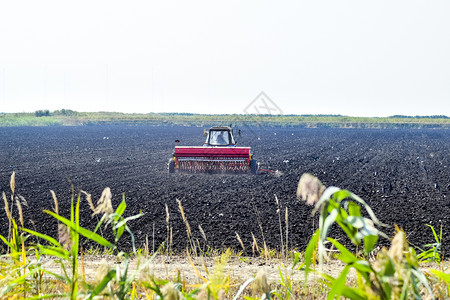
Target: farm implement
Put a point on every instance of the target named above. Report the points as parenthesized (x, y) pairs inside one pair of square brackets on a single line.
[(218, 154)]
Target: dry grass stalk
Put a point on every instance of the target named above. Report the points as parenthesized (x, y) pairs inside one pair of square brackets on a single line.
[(146, 245), (89, 200), (286, 220), (281, 226), (310, 189), (12, 182), (188, 228), (104, 205), (64, 237), (168, 227), (180, 206), (8, 212), (55, 200), (171, 239), (266, 253), (181, 210), (255, 245), (240, 241), (202, 233), (19, 206), (204, 263), (83, 269)]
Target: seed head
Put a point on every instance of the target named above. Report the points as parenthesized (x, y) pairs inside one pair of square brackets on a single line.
[(8, 212), (104, 205), (170, 292), (260, 285), (310, 189), (89, 200), (101, 271), (19, 206), (167, 214), (12, 182), (56, 201), (64, 237), (202, 232)]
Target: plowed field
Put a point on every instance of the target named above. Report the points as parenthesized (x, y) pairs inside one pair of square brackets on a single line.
[(403, 174)]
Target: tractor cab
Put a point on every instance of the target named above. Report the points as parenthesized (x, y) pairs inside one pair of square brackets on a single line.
[(220, 136)]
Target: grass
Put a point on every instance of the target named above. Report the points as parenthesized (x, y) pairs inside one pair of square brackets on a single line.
[(397, 272), (70, 118)]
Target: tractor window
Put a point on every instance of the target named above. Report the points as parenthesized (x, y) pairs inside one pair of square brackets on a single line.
[(219, 138)]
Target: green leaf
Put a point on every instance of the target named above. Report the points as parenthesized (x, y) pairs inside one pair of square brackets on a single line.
[(84, 232), (441, 275), (353, 293), (368, 209), (101, 286), (43, 236), (281, 276), (434, 233), (6, 242), (325, 197), (357, 222), (369, 243), (54, 251), (338, 284), (124, 221), (121, 208), (389, 268), (341, 195), (363, 267), (345, 256), (327, 224), (296, 260), (309, 252), (354, 209)]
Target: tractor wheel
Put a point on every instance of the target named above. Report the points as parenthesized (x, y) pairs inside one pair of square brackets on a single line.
[(171, 166), (254, 166)]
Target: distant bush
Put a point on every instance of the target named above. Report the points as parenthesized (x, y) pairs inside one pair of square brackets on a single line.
[(42, 113), (65, 112), (419, 117)]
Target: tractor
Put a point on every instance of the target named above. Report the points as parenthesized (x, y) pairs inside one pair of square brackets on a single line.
[(219, 154)]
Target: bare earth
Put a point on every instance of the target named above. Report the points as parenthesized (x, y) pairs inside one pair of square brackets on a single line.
[(168, 268)]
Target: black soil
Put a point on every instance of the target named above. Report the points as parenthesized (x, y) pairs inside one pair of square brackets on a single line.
[(403, 174)]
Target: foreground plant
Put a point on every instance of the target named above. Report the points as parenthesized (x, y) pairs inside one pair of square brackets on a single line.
[(395, 274), (20, 276)]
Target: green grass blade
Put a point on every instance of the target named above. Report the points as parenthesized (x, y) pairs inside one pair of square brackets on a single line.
[(121, 208), (338, 284), (124, 221), (84, 232), (434, 233), (309, 252), (345, 256), (54, 251), (369, 243), (43, 236), (6, 242), (101, 286)]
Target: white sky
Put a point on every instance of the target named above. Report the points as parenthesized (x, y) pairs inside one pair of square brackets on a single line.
[(358, 58)]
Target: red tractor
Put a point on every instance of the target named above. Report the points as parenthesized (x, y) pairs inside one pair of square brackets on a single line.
[(218, 154)]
